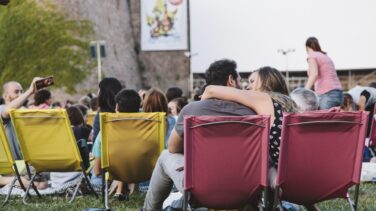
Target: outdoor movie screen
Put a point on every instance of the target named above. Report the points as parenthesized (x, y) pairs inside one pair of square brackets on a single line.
[(256, 33)]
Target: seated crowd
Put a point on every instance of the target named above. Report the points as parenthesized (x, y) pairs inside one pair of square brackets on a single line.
[(267, 94)]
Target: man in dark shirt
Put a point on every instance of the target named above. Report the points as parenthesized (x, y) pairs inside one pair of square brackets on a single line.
[(169, 167)]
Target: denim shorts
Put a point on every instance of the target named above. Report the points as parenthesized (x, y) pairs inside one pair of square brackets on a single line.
[(331, 99), (95, 180)]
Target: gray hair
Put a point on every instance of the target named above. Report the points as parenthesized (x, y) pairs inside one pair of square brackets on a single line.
[(306, 99), (85, 100)]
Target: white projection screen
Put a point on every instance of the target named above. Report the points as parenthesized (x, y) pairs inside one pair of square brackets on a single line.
[(251, 32)]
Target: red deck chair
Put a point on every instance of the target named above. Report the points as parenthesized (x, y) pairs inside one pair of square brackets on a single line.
[(226, 160), (320, 156)]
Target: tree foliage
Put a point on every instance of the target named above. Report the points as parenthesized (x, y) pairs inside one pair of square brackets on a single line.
[(36, 39)]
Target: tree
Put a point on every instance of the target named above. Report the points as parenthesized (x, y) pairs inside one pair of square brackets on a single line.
[(36, 39)]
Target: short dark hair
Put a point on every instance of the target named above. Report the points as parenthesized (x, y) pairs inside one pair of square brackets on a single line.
[(41, 96), (219, 71), (128, 100), (173, 92)]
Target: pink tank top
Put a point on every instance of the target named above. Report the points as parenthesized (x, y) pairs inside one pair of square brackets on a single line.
[(327, 78)]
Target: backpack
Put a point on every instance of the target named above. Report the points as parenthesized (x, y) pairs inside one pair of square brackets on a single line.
[(84, 151), (81, 133)]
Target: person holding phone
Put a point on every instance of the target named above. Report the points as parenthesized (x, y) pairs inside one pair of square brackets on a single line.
[(14, 97)]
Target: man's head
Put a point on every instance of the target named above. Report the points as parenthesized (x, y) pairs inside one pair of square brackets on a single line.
[(173, 92), (11, 90), (223, 72), (306, 99), (127, 100)]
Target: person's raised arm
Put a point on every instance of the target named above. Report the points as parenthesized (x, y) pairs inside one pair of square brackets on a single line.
[(313, 72), (20, 100)]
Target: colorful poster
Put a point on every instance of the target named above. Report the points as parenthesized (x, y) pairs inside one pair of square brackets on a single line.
[(164, 25)]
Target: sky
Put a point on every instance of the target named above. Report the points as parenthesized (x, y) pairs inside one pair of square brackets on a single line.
[(252, 31)]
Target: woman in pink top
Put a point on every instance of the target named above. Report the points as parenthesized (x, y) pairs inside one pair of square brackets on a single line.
[(322, 76)]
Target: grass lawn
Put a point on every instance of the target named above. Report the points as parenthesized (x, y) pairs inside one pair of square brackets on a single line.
[(367, 201)]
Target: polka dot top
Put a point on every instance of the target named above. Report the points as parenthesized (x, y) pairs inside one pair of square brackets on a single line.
[(275, 135)]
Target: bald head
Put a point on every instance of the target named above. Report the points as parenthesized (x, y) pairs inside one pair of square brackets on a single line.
[(11, 90)]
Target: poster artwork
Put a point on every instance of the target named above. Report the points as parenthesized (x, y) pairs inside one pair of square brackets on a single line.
[(163, 25)]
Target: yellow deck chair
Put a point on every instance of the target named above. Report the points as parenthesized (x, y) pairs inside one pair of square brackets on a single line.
[(8, 165), (47, 143), (131, 144), (90, 118)]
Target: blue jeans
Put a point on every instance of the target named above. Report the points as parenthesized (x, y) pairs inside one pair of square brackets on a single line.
[(331, 99)]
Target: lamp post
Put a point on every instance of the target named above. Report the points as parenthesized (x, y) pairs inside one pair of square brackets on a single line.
[(286, 54), (98, 51)]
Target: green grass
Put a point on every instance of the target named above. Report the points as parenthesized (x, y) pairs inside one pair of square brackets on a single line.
[(52, 203), (367, 202), (367, 199)]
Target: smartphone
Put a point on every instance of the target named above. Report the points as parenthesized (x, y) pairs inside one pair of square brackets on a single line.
[(44, 82)]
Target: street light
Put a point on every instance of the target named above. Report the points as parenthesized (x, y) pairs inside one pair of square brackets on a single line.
[(95, 47), (286, 54)]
